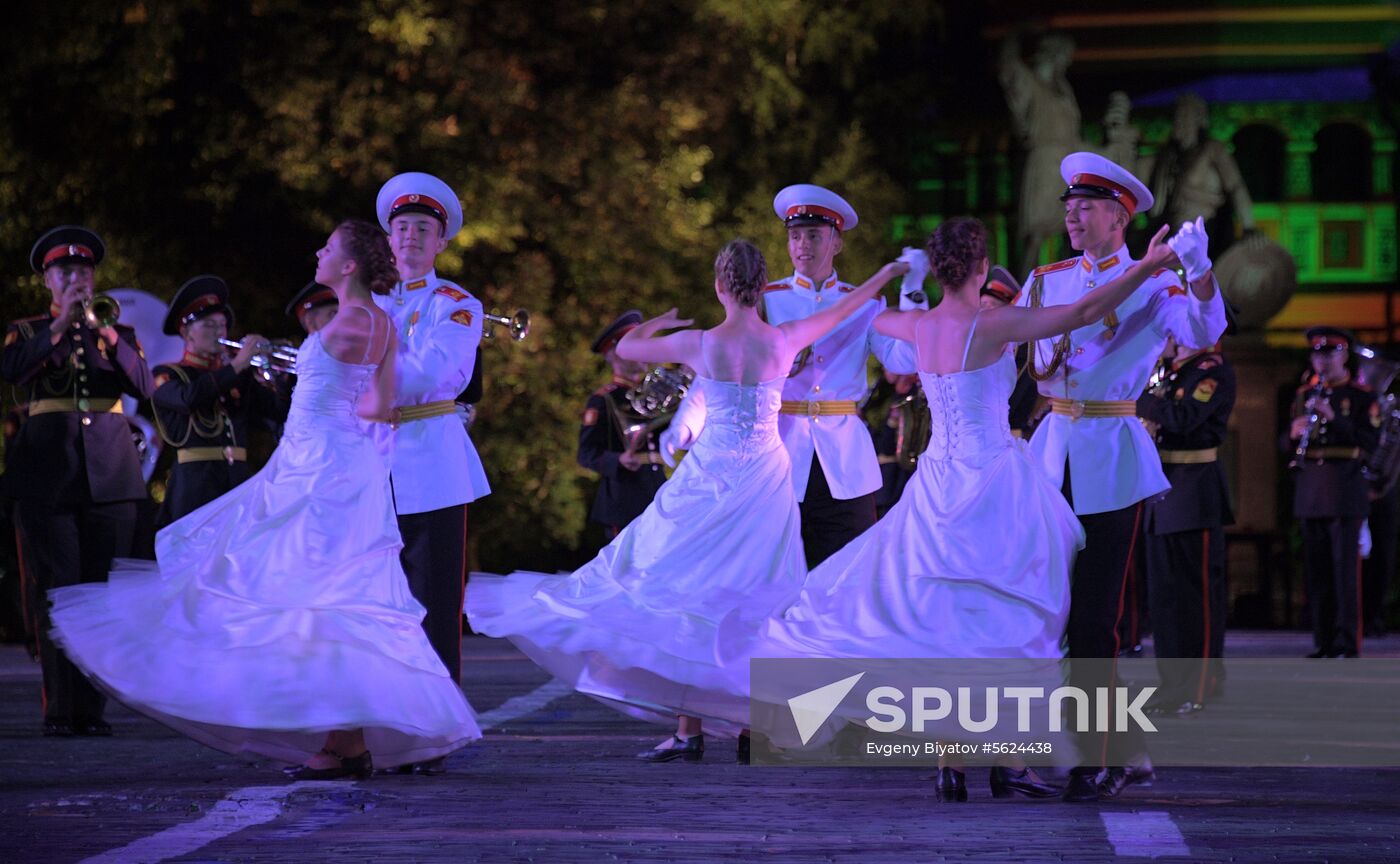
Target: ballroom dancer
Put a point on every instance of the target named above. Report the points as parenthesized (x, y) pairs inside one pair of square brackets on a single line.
[(277, 619), (722, 536)]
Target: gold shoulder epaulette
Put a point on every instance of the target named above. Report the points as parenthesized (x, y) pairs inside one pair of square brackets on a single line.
[(1054, 268)]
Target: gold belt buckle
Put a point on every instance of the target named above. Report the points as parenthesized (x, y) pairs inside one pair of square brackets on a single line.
[(1076, 409), (814, 409), (228, 455)]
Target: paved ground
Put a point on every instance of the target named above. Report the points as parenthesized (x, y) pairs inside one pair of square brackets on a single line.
[(553, 781)]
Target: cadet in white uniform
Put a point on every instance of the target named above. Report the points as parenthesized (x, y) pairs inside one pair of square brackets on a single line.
[(835, 472), (435, 470), (1092, 442)]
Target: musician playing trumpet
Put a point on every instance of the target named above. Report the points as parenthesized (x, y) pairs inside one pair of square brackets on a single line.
[(72, 469), (207, 404), (1336, 423), (627, 462)]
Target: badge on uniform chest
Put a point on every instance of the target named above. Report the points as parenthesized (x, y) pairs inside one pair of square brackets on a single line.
[(412, 323)]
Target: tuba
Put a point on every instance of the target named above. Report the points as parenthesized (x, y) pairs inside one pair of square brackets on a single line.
[(1382, 466)]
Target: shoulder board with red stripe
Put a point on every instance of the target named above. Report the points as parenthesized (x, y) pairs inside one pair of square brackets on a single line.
[(776, 286), (456, 294), (31, 318), (1055, 268), (844, 288), (1177, 288), (606, 389)]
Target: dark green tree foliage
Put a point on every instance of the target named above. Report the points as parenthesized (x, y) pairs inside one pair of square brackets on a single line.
[(603, 152)]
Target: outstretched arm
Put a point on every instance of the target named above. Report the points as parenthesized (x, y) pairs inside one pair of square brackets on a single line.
[(804, 331), (1015, 324), (898, 325), (643, 344)]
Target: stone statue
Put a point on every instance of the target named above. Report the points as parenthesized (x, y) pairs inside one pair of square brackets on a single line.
[(1045, 117)]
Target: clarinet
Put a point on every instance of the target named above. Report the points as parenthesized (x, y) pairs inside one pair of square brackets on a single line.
[(1309, 405)]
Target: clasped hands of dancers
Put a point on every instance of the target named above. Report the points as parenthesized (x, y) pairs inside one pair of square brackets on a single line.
[(290, 586)]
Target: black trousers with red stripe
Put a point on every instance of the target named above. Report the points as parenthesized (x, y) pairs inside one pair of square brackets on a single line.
[(1186, 591), (1332, 557), (1098, 602), (435, 560)]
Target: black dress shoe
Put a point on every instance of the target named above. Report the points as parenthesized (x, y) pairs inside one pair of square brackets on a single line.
[(360, 767), (1081, 787), (1318, 654), (741, 752), (432, 767), (1005, 783), (952, 785), (690, 749), (1131, 651), (1118, 779), (93, 728), (58, 729)]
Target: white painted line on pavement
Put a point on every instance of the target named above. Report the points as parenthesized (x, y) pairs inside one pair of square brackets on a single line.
[(521, 706), (254, 805), (242, 808), (1147, 834)]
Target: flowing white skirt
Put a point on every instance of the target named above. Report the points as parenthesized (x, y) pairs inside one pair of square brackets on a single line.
[(276, 613)]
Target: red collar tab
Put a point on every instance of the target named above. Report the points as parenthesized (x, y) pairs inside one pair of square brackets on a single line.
[(199, 361)]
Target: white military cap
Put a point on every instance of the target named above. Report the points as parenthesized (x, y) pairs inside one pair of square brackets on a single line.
[(805, 204), (1089, 175), (416, 192)]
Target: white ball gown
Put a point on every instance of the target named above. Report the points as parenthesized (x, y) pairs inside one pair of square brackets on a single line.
[(279, 611), (637, 625), (972, 563)]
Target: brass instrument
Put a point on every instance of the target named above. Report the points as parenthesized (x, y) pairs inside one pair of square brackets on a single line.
[(660, 392), (101, 310), (519, 324), (280, 358), (1310, 406), (1382, 467)]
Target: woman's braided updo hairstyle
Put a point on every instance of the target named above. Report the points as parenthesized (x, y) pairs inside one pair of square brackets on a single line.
[(954, 250), (368, 246), (741, 271)]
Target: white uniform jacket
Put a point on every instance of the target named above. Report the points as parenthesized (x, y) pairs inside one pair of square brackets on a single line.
[(1112, 460), (835, 370), (434, 462)]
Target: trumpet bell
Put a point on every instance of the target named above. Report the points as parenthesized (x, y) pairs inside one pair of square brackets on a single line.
[(102, 310), (519, 324)]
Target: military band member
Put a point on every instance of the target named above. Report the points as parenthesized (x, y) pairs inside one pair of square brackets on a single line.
[(1336, 423), (625, 457), (900, 436), (313, 306), (1091, 443), (435, 470), (1187, 412), (835, 472), (73, 468), (206, 404), (1002, 289)]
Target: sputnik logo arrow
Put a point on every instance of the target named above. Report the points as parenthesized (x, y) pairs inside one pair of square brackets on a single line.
[(811, 709)]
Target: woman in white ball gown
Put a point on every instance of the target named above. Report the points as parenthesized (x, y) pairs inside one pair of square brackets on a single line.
[(277, 619), (636, 626)]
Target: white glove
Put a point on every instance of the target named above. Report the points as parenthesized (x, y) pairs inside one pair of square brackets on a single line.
[(1190, 245), (673, 438), (911, 289)]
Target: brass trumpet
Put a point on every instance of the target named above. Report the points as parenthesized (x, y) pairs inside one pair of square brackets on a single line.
[(519, 324), (101, 310), (278, 358)]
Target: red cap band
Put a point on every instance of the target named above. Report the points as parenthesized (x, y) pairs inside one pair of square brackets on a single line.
[(815, 210), (1125, 195), (1323, 343), (1002, 290), (68, 250), (199, 305), (316, 300), (416, 200)]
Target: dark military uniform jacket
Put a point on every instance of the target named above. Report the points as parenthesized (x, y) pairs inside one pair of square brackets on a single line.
[(1197, 396), (1023, 397), (76, 444), (208, 411), (1329, 483), (603, 436)]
